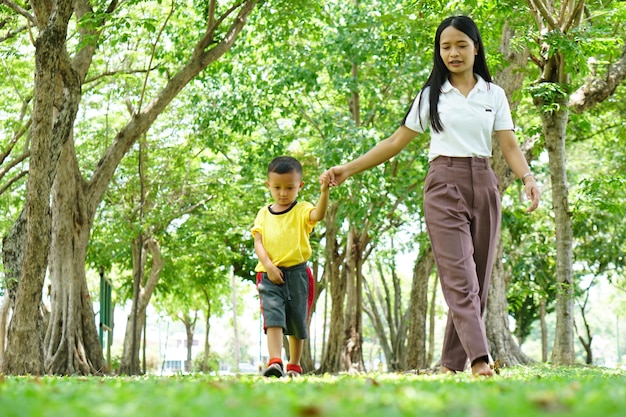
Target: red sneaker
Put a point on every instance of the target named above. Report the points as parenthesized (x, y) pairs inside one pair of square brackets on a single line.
[(294, 371), (274, 368)]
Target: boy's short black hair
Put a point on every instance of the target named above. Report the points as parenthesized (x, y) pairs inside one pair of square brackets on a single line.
[(284, 165)]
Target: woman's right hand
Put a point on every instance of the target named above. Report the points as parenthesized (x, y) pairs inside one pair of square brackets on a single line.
[(336, 175)]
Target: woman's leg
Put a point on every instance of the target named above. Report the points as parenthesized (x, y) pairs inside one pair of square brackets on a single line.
[(453, 201)]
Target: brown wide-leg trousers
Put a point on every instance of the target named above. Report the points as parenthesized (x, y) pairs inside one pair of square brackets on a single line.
[(462, 212)]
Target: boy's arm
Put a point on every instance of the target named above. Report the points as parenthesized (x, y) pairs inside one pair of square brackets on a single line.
[(318, 213), (273, 272)]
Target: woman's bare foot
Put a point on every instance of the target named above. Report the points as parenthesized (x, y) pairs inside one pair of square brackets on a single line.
[(445, 370), (482, 368)]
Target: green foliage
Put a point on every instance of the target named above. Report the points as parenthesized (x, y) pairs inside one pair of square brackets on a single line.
[(529, 254), (551, 95), (604, 193), (286, 87), (598, 222), (211, 364), (517, 392)]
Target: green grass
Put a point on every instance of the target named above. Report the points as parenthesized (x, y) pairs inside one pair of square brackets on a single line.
[(520, 391)]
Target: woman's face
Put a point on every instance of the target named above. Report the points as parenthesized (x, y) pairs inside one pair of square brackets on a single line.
[(457, 50)]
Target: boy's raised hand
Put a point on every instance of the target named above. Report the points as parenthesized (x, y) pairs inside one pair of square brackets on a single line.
[(324, 181)]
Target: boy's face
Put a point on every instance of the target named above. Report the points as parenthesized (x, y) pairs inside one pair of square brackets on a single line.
[(284, 188)]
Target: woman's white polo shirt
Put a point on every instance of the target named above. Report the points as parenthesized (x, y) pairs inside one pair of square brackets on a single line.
[(468, 122)]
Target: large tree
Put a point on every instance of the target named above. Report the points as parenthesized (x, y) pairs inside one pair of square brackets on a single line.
[(562, 51), (62, 66), (501, 343), (55, 79)]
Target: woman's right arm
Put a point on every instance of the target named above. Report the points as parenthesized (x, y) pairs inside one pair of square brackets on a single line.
[(383, 151)]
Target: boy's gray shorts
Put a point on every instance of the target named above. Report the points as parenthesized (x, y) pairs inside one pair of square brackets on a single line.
[(287, 305)]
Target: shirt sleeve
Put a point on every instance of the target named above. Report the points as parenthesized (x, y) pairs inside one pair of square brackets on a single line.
[(258, 223), (417, 118), (503, 120), (307, 208)]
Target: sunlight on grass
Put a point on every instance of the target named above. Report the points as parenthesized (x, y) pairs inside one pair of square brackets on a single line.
[(520, 391)]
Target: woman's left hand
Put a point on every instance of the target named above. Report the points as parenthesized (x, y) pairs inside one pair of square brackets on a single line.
[(532, 193)]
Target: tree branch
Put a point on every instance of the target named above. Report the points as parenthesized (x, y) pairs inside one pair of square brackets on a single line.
[(540, 6), (13, 163), (12, 144), (207, 39), (89, 35), (144, 119), (152, 54), (114, 73), (599, 88), (10, 34), (574, 15), (19, 10), (12, 181)]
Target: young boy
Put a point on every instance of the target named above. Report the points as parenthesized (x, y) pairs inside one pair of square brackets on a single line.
[(285, 282)]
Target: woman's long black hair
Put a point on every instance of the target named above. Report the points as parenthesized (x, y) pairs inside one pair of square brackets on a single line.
[(440, 72)]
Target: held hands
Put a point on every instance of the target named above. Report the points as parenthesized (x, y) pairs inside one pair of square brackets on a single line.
[(324, 182), (336, 175)]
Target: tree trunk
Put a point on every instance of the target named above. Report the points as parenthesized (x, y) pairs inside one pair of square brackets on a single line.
[(418, 308), (307, 361), (381, 326), (400, 324), (554, 129), (233, 300), (5, 309), (13, 248), (49, 132), (384, 308), (587, 338), (129, 363), (544, 332), (72, 345), (332, 355), (587, 345), (190, 326), (24, 353), (502, 346), (353, 341), (207, 325), (431, 322)]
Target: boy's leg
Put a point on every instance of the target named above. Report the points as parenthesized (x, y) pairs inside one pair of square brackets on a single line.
[(275, 342), (273, 311), (299, 283), (274, 347), (295, 350), (295, 355)]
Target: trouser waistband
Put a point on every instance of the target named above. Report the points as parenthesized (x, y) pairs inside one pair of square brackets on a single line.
[(303, 265), (470, 161)]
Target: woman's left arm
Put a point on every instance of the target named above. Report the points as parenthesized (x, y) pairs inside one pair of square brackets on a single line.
[(516, 160)]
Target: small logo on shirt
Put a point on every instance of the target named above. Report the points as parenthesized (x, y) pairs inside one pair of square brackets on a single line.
[(488, 110)]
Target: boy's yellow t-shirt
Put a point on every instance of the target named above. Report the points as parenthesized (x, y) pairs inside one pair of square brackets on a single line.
[(285, 235)]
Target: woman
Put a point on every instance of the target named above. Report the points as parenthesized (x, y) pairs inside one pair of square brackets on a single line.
[(462, 108)]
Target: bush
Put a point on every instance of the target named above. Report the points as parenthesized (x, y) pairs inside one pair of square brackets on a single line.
[(210, 364)]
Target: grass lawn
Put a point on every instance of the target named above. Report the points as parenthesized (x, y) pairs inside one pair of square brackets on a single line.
[(519, 391)]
